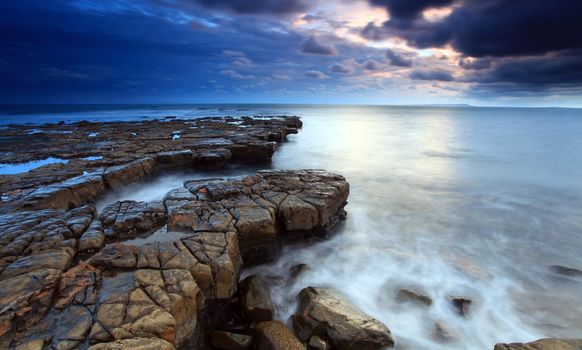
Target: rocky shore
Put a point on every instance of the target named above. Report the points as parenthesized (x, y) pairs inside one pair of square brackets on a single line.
[(166, 274)]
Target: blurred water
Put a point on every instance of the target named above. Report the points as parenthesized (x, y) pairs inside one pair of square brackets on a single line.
[(476, 202)]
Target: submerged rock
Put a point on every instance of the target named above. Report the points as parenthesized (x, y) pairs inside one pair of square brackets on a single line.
[(274, 335), (327, 314), (461, 304), (566, 271), (543, 344), (405, 294)]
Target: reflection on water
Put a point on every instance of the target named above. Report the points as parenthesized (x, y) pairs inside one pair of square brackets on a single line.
[(462, 201)]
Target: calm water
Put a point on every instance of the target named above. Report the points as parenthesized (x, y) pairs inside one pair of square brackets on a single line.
[(477, 202)]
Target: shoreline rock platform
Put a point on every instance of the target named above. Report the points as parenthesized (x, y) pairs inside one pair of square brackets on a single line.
[(165, 274)]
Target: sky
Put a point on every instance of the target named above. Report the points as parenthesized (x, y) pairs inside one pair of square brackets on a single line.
[(481, 52)]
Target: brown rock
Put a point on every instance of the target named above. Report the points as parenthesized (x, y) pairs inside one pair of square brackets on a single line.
[(274, 335), (406, 294), (543, 344), (325, 313), (230, 341), (256, 299)]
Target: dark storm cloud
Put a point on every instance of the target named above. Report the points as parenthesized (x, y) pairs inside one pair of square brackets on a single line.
[(564, 69), (313, 45), (397, 59), (409, 9), (433, 74), (277, 7), (515, 45), (480, 28)]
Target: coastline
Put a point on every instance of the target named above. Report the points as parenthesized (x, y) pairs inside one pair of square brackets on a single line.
[(79, 256)]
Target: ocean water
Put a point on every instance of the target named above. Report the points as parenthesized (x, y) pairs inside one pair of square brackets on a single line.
[(473, 202)]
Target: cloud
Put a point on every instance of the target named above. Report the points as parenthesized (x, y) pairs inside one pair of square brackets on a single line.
[(64, 74), (475, 64), (232, 53), (316, 74), (372, 65), (341, 68), (409, 9), (242, 62), (397, 59), (433, 74), (480, 28), (311, 45), (235, 75), (276, 7)]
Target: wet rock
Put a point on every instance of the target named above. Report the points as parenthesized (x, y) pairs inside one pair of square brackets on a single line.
[(543, 344), (54, 259), (126, 219), (316, 343), (566, 271), (26, 298), (274, 335), (256, 299), (263, 209), (405, 294), (325, 313), (93, 238), (135, 344), (461, 304), (444, 333), (230, 341), (213, 258), (79, 285)]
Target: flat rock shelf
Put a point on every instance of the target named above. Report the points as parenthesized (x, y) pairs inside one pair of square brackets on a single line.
[(144, 274)]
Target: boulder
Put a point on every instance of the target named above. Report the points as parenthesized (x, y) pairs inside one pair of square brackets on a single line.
[(256, 299), (316, 343), (543, 344), (230, 341), (326, 313), (274, 335)]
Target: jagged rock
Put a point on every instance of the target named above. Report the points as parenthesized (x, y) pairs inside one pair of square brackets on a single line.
[(79, 285), (148, 294), (405, 294), (256, 299), (57, 259), (543, 344), (274, 335), (158, 304), (129, 151), (262, 209), (93, 238), (325, 313), (230, 341), (26, 298), (126, 219), (135, 344), (213, 258), (461, 304), (316, 343)]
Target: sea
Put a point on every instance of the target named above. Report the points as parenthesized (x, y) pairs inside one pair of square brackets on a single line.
[(482, 203)]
